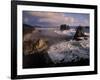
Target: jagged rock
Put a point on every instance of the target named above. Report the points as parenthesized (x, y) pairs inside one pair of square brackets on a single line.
[(36, 46), (79, 35), (64, 27), (41, 45)]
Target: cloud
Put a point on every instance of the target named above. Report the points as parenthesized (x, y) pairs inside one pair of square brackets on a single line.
[(53, 18), (84, 22), (26, 19)]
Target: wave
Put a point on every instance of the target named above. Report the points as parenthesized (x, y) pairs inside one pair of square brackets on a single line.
[(69, 51)]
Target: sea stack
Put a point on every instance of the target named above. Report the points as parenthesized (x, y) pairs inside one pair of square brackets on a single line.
[(79, 33), (64, 27)]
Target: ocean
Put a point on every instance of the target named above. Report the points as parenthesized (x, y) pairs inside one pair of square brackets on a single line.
[(62, 49)]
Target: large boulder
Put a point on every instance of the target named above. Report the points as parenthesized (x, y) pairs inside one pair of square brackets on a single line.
[(64, 27), (35, 54)]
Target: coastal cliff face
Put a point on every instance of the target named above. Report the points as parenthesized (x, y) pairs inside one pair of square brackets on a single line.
[(50, 47)]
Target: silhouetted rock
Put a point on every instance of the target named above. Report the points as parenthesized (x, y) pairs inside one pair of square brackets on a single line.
[(37, 60), (64, 27), (79, 33)]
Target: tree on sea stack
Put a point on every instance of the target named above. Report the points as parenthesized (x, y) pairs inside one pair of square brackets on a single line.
[(64, 27)]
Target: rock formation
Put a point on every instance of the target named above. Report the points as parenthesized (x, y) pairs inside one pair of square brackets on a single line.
[(79, 33), (36, 46), (64, 27)]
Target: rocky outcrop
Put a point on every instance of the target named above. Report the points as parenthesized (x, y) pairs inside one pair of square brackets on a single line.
[(64, 27), (79, 35), (36, 46), (37, 60), (40, 45)]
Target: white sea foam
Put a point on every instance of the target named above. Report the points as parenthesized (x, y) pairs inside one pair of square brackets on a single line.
[(70, 32), (68, 51)]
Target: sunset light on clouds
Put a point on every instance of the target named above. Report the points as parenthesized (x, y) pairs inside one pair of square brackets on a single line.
[(55, 18)]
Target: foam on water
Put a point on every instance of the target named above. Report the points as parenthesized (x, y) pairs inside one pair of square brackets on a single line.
[(68, 51)]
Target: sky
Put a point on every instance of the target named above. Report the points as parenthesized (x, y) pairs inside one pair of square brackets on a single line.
[(52, 19)]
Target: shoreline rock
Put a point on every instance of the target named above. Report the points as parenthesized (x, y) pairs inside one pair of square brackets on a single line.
[(80, 34)]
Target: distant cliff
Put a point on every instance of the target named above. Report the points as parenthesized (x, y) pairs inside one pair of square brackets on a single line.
[(27, 29)]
